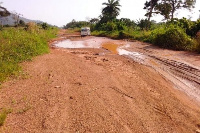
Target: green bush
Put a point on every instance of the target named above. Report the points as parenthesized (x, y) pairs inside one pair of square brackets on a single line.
[(76, 24), (195, 28), (109, 26), (45, 26), (172, 38), (198, 42)]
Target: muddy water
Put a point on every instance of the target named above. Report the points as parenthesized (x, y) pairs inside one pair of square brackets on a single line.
[(111, 47), (90, 43)]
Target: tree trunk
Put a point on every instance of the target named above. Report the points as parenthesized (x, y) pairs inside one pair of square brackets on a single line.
[(150, 12), (173, 9)]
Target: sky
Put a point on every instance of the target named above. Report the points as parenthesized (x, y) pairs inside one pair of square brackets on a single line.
[(60, 12)]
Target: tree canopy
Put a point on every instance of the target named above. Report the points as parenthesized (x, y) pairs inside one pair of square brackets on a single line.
[(111, 11), (149, 6), (166, 8)]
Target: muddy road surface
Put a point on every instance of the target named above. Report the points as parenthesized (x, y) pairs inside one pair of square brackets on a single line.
[(94, 84)]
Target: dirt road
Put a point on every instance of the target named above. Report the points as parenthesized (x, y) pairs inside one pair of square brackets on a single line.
[(104, 90)]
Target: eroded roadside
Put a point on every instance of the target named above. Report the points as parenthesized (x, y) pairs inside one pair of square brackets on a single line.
[(95, 90)]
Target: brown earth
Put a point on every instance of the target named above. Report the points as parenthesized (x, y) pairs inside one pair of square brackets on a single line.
[(83, 90)]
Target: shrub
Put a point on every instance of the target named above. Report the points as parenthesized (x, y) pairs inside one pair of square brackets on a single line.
[(109, 26), (195, 28), (123, 35), (32, 27), (198, 41), (45, 26), (172, 38)]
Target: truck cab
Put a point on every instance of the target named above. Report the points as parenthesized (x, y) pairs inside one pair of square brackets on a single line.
[(85, 31)]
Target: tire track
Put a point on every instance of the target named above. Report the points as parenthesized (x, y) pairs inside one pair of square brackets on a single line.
[(180, 69)]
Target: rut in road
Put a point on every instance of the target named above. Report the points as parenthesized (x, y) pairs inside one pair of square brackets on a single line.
[(180, 69)]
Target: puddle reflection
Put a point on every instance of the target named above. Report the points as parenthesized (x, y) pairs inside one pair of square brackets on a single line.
[(78, 44)]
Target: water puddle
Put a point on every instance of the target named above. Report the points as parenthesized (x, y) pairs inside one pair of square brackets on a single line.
[(138, 57), (94, 43), (120, 50), (111, 47), (90, 43)]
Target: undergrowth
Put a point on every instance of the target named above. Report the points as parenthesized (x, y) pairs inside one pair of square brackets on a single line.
[(18, 45)]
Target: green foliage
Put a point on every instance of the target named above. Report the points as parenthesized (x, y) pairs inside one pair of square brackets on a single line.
[(115, 25), (189, 26), (195, 28), (109, 26), (198, 42), (18, 45), (22, 23), (45, 26), (166, 8), (111, 34), (149, 6), (76, 24), (172, 37), (143, 24), (111, 11), (177, 34), (128, 23), (32, 27)]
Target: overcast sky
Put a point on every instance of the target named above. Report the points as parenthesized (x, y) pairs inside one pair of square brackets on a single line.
[(60, 12)]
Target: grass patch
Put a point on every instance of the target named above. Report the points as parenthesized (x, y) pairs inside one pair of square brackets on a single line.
[(3, 115), (2, 118), (18, 45)]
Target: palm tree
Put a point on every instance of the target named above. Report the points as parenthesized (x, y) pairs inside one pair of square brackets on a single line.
[(111, 11)]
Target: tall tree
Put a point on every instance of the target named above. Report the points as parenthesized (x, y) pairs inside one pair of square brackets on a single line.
[(149, 6), (94, 20), (167, 8), (111, 11), (164, 9)]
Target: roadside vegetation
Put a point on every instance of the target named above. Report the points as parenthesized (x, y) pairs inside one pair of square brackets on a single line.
[(172, 33), (21, 43), (3, 115)]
